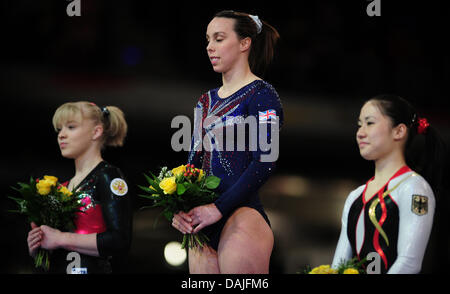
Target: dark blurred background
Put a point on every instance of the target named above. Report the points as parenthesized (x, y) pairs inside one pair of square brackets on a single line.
[(149, 59)]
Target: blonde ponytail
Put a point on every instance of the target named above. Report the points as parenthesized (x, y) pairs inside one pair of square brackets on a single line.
[(115, 127), (111, 117)]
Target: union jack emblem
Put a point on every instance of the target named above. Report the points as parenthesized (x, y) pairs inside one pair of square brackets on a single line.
[(268, 114)]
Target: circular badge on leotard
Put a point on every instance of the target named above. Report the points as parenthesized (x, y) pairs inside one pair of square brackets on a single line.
[(119, 187)]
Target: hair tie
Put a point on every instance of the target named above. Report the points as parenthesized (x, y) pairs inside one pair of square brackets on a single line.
[(422, 126), (105, 111), (413, 121), (257, 22)]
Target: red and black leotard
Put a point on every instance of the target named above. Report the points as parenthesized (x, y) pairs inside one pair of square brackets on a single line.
[(107, 211)]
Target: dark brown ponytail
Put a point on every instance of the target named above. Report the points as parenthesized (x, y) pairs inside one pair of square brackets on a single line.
[(263, 42)]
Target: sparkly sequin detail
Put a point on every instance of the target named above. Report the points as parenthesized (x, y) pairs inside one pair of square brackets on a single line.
[(238, 165), (214, 113), (86, 200)]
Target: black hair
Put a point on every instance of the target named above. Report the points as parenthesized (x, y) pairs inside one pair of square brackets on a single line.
[(426, 153), (263, 43)]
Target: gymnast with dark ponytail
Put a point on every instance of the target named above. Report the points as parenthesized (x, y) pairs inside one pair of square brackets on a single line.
[(240, 46), (392, 214)]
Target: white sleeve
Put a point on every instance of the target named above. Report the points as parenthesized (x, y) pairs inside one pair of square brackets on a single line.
[(416, 204), (344, 249)]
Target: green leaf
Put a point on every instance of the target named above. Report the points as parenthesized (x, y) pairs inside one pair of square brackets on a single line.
[(14, 211), (212, 182), (168, 214), (154, 177), (181, 189), (146, 189), (151, 197), (21, 203), (154, 183)]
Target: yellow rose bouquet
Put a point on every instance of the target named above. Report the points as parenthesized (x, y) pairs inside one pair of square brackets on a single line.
[(181, 189), (353, 266), (46, 202)]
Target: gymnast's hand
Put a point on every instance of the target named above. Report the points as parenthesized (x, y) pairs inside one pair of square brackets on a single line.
[(50, 237), (200, 216), (203, 216), (34, 239), (182, 222)]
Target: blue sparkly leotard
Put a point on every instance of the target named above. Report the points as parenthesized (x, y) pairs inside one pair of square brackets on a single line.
[(219, 149)]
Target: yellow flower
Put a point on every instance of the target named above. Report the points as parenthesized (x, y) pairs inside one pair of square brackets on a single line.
[(65, 191), (179, 170), (323, 269), (168, 185), (351, 271), (51, 179), (44, 187)]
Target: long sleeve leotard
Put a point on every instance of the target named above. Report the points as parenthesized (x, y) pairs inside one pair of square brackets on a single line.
[(254, 113), (395, 223), (106, 211)]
